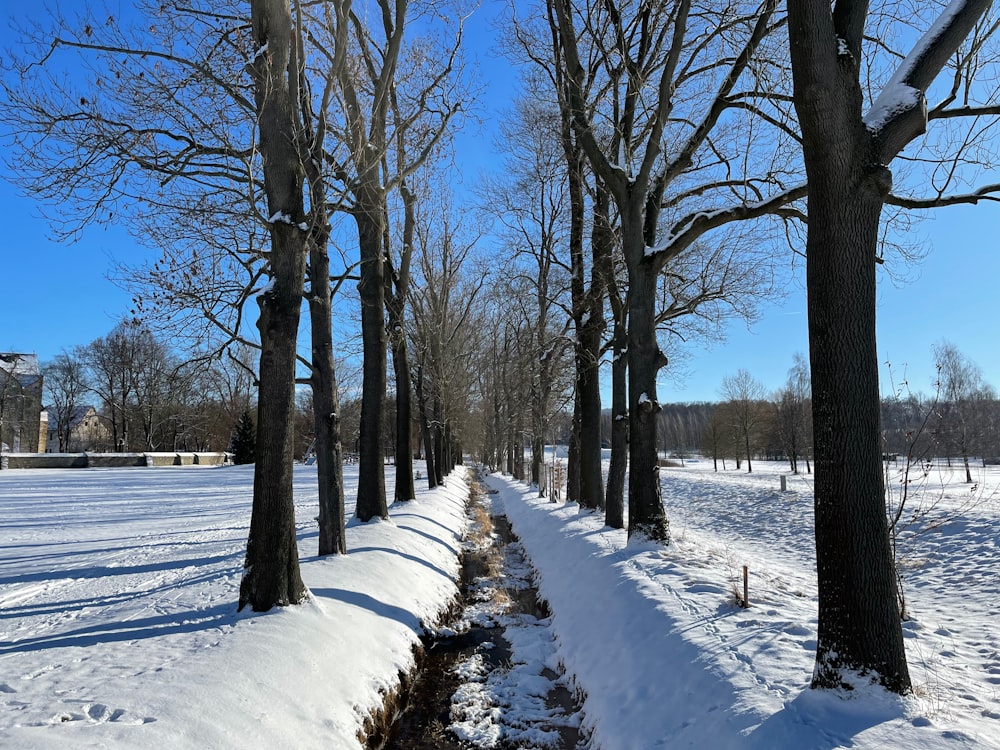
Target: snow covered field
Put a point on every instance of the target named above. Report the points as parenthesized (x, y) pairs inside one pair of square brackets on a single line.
[(667, 659), (118, 625)]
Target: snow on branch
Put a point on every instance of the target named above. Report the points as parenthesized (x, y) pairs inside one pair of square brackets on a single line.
[(985, 193), (693, 226), (281, 217), (899, 113)]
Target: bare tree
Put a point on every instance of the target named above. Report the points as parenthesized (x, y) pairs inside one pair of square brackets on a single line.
[(963, 394), (791, 414), (160, 138), (444, 301), (113, 363), (848, 153), (717, 436), (539, 44), (745, 394), (531, 203), (365, 60), (648, 56), (66, 383)]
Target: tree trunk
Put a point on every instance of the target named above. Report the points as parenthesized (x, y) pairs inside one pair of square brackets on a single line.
[(371, 502), (510, 447), (614, 513), (859, 627), (537, 459), (405, 489), (589, 360), (271, 570), (326, 409), (519, 447), (397, 288), (447, 452), (437, 433), (425, 430), (498, 435), (589, 386), (573, 455), (645, 506)]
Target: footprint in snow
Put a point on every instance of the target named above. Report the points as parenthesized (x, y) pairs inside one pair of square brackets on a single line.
[(98, 713)]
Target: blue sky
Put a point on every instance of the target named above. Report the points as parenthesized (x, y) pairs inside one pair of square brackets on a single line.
[(55, 296)]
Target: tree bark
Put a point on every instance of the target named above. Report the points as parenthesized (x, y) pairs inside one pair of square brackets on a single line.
[(369, 216), (573, 454), (859, 626), (437, 434), (326, 408), (646, 515), (425, 430), (271, 570), (405, 489), (614, 513), (396, 293), (589, 357)]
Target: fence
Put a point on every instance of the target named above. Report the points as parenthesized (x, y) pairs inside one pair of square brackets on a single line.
[(551, 481)]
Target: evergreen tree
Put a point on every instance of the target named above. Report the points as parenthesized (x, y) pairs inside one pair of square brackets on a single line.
[(245, 440)]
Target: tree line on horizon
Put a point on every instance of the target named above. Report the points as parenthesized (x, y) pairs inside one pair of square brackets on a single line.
[(664, 163)]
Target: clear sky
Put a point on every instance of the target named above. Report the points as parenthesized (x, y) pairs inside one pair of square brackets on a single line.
[(54, 296)]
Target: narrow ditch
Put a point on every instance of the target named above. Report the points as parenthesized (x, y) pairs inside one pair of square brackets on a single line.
[(473, 688)]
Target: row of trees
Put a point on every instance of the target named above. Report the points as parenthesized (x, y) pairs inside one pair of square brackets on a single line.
[(246, 183), (681, 118), (661, 157), (148, 396), (960, 420)]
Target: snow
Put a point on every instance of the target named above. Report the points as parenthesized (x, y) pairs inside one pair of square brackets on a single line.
[(719, 676), (897, 95), (266, 289), (894, 98), (118, 626), (118, 593)]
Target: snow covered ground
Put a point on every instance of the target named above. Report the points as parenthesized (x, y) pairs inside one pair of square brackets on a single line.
[(118, 623), (118, 626), (667, 659)]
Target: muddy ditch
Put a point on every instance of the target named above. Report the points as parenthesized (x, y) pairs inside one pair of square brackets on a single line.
[(489, 677)]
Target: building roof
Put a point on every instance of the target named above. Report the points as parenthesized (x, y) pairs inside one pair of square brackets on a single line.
[(24, 367), (80, 412)]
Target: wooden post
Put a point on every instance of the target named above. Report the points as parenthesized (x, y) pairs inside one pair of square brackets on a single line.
[(746, 586), (784, 483)]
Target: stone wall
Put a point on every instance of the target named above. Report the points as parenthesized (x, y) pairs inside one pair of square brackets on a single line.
[(110, 460)]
